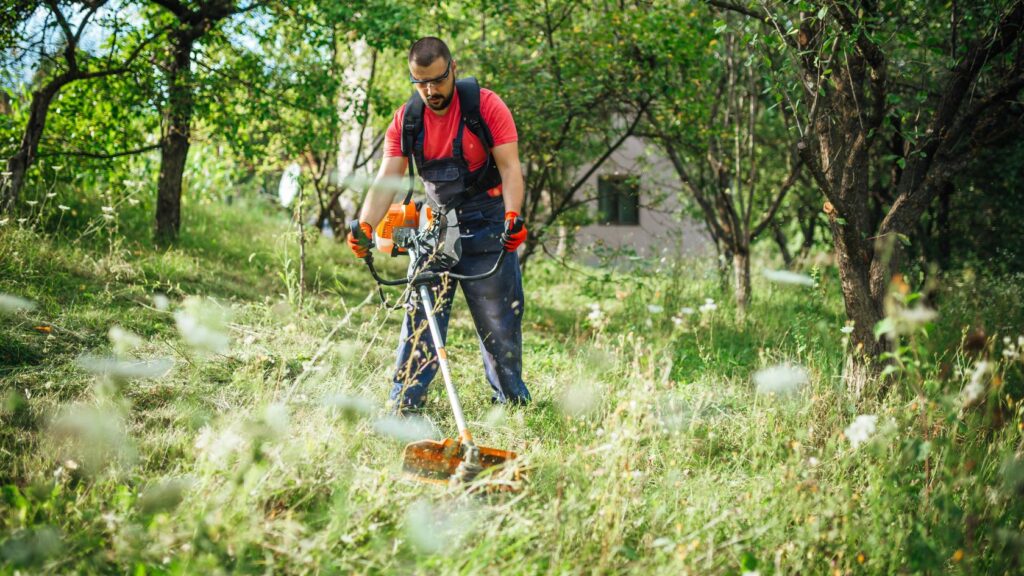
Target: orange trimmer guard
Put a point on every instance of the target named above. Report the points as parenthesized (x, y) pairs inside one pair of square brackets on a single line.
[(437, 462)]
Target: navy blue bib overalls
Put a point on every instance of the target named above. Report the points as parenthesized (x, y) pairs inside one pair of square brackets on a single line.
[(496, 303)]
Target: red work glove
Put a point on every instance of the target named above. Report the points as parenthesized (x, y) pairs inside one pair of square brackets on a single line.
[(515, 231), (361, 245)]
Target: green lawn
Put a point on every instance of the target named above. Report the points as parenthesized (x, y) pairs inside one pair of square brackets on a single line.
[(648, 449)]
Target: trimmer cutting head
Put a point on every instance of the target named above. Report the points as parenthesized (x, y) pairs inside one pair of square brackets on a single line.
[(441, 462)]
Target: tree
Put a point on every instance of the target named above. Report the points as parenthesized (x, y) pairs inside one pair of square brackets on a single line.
[(69, 63), (305, 103), (192, 21), (578, 79), (884, 121), (723, 141)]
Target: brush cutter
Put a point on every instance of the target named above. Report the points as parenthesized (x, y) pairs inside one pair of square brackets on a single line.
[(432, 242)]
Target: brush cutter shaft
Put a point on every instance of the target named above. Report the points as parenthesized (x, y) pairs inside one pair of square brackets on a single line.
[(442, 359)]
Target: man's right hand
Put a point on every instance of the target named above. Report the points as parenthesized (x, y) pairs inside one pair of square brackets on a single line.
[(361, 243)]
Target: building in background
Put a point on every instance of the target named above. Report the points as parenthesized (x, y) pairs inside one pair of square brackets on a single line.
[(637, 210)]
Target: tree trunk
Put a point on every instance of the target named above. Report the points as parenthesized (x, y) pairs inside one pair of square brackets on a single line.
[(807, 228), (19, 164), (945, 249), (529, 248), (783, 243), (336, 218), (175, 142), (741, 280)]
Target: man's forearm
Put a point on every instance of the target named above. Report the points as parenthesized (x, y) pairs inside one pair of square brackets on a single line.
[(512, 193), (512, 186), (376, 205), (382, 191)]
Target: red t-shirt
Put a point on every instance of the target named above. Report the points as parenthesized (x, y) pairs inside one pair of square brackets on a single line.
[(439, 131)]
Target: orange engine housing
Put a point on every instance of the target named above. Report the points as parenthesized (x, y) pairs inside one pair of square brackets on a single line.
[(398, 216)]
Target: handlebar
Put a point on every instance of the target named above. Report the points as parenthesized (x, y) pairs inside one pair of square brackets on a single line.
[(422, 277)]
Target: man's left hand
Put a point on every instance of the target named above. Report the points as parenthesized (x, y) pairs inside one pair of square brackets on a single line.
[(515, 231)]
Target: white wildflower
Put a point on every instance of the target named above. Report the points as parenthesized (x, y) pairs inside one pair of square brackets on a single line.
[(218, 446), (406, 429), (277, 419), (126, 369), (51, 195), (579, 399), (433, 529), (781, 379), (22, 220), (13, 304), (351, 407), (861, 429), (595, 315), (123, 341), (31, 202), (678, 321), (93, 436), (687, 311), (708, 306), (4, 221), (107, 209), (788, 277), (1012, 351), (63, 208), (160, 302), (848, 329), (655, 309), (917, 316), (975, 389), (201, 325)]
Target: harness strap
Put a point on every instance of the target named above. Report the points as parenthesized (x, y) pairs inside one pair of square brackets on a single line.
[(484, 178)]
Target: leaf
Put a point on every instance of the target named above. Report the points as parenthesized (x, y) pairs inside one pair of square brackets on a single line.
[(884, 326), (748, 562), (890, 369)]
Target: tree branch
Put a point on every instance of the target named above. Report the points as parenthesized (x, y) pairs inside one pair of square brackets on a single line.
[(794, 174), (733, 7), (98, 155), (611, 149)]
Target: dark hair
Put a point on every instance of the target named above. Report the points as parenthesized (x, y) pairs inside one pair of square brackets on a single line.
[(427, 49)]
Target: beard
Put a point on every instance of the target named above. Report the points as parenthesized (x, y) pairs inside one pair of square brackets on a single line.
[(437, 102)]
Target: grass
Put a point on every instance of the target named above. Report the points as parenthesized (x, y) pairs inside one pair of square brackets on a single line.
[(648, 449)]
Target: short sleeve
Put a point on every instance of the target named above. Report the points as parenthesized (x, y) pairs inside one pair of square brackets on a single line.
[(498, 118), (393, 136)]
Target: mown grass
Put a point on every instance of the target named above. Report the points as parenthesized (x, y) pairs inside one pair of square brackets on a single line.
[(648, 449)]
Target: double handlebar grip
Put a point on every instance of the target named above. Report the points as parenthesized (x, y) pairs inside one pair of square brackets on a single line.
[(357, 232)]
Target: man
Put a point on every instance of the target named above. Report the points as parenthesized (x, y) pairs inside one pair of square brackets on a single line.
[(484, 185)]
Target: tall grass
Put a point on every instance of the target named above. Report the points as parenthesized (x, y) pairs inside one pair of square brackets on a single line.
[(649, 448)]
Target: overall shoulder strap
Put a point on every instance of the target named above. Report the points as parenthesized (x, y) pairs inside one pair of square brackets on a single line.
[(469, 101), (412, 123), (412, 127)]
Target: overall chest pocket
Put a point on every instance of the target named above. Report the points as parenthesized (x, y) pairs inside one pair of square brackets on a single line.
[(443, 183)]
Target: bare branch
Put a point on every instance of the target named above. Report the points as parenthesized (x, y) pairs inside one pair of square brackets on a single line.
[(611, 149), (769, 216), (70, 38)]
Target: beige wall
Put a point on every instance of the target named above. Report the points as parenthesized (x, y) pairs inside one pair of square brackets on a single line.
[(663, 231)]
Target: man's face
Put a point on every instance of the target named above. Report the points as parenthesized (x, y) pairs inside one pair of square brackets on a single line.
[(435, 83)]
